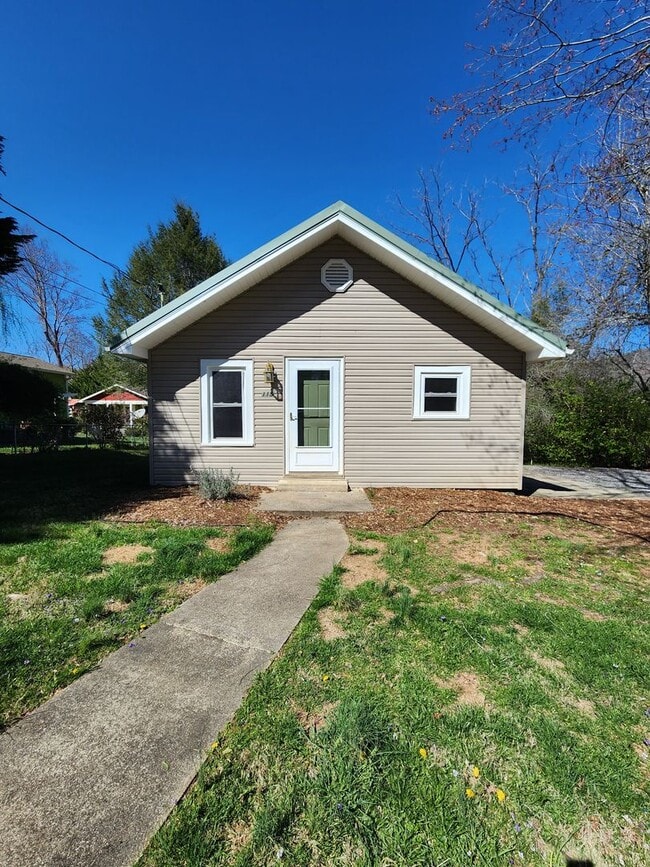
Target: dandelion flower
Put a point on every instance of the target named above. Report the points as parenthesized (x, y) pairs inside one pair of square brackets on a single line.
[(423, 752), (501, 795), (470, 793), (475, 772), (143, 626), (214, 746), (326, 677)]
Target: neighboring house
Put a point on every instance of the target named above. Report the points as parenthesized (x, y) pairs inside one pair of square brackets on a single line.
[(57, 375), (54, 373), (338, 349), (133, 401)]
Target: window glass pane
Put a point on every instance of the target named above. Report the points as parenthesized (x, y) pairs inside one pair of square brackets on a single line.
[(227, 421), (314, 408), (439, 404), (227, 386), (440, 385)]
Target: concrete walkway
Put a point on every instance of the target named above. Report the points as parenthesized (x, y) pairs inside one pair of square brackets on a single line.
[(87, 778)]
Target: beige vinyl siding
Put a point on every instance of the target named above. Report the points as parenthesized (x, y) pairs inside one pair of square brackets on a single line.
[(382, 327)]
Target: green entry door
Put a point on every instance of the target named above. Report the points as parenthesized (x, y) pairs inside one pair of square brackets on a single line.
[(314, 412), (313, 415)]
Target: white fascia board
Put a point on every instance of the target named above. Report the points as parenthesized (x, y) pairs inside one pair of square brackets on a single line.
[(449, 292), (217, 294), (110, 388), (214, 293)]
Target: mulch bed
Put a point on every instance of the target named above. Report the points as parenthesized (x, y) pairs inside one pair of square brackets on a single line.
[(395, 510)]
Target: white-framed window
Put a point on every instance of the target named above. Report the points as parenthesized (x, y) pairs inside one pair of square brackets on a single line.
[(441, 392), (226, 402)]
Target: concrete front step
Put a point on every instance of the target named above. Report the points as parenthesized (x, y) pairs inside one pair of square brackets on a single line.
[(313, 482)]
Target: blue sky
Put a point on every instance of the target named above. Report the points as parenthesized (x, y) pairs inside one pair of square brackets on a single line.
[(258, 114)]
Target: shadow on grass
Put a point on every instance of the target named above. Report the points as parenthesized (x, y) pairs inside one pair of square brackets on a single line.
[(68, 485)]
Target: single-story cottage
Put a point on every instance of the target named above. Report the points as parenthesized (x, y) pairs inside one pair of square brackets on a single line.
[(134, 402), (340, 351)]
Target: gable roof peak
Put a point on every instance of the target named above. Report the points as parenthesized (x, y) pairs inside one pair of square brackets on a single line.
[(371, 238)]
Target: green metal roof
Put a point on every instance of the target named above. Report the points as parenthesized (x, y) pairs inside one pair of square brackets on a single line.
[(212, 283)]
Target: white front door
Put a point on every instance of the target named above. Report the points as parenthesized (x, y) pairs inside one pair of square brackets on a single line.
[(313, 415)]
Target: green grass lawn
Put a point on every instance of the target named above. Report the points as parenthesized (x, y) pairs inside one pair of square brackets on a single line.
[(452, 697), (71, 588)]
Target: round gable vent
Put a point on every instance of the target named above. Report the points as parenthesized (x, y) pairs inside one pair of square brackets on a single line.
[(336, 275)]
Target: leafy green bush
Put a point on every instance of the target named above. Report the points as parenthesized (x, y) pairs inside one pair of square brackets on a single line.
[(104, 423), (216, 484), (587, 422)]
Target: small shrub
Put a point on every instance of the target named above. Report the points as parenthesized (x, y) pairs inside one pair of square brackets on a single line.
[(216, 484), (104, 423)]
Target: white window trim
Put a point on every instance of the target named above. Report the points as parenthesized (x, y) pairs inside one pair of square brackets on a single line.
[(208, 367), (461, 372)]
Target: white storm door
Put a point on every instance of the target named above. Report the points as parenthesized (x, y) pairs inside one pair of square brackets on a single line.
[(313, 415)]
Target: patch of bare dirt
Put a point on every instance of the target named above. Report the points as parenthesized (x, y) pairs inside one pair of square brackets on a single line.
[(553, 665), (18, 598), (592, 615), (468, 687), (220, 544), (360, 568), (238, 835), (475, 551), (472, 581), (187, 588), (582, 705), (124, 553), (520, 628), (330, 625), (593, 842), (115, 606), (552, 600), (313, 721)]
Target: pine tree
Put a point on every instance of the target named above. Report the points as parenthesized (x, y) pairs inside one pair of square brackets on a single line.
[(174, 258)]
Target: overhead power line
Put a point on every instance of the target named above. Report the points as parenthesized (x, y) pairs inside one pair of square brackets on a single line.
[(69, 240), (76, 282)]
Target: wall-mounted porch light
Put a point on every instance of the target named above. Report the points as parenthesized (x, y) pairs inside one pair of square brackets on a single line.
[(271, 377)]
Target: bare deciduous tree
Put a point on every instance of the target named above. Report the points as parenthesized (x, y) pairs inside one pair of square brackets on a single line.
[(586, 63), (455, 228), (553, 58), (610, 236), (43, 284)]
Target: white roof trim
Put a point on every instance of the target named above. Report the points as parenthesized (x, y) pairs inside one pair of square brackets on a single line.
[(223, 287), (113, 388)]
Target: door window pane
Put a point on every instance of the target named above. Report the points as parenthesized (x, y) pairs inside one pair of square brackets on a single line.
[(314, 408)]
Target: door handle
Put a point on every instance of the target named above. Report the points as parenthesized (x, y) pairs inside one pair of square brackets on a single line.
[(292, 417)]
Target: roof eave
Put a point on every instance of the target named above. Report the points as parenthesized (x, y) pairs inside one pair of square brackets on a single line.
[(371, 238)]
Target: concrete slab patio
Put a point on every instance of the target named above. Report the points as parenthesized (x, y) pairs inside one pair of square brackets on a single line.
[(87, 778), (586, 483)]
